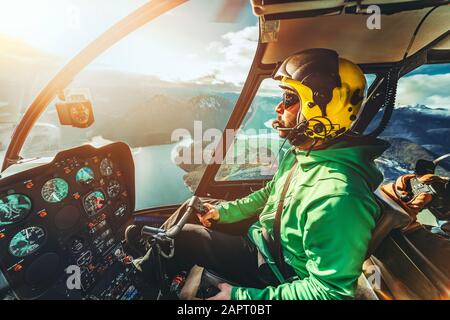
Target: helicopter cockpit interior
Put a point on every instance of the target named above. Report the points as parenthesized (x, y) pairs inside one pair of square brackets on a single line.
[(64, 212)]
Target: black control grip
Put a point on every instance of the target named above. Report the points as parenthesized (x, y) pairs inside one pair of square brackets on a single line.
[(197, 205), (194, 205), (150, 231)]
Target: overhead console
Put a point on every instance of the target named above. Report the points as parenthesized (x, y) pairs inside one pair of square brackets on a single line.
[(61, 225)]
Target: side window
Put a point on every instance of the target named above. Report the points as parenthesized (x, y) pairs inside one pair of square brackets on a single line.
[(257, 148), (420, 124)]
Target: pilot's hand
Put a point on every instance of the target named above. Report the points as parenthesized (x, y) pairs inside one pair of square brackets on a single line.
[(212, 214), (225, 292), (400, 191), (416, 202)]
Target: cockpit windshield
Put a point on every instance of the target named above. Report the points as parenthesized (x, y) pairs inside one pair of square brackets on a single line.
[(160, 90)]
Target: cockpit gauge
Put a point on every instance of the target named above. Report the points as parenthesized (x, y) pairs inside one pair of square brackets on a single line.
[(27, 241), (85, 176), (13, 208), (55, 190), (80, 113), (106, 167), (113, 188), (121, 210), (94, 202)]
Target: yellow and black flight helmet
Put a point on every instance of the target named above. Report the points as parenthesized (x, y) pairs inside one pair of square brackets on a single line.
[(330, 89)]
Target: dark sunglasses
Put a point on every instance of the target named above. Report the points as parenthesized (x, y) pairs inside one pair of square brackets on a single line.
[(289, 99)]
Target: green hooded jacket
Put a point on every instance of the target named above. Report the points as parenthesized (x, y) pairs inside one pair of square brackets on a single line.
[(329, 214)]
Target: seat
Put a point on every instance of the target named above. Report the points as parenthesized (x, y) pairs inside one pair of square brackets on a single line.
[(393, 216)]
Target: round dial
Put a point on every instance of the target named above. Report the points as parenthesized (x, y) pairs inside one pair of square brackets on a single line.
[(14, 208), (94, 202), (106, 167), (85, 176), (113, 188), (27, 241), (55, 190), (80, 113)]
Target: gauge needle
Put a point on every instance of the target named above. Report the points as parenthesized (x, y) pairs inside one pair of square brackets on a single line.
[(26, 232)]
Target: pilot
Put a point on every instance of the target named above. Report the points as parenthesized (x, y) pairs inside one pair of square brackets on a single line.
[(313, 220)]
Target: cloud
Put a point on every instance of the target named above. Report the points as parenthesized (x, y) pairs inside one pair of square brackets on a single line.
[(234, 55), (430, 90)]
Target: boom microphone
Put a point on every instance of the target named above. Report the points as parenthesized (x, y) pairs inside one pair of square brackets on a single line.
[(300, 127), (277, 126)]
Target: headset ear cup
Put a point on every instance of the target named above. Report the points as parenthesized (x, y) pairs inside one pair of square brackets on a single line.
[(319, 128)]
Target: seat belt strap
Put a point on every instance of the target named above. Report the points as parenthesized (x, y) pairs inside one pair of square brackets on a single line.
[(279, 258)]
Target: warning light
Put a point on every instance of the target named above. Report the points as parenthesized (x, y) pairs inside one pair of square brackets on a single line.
[(29, 185), (43, 214), (99, 202), (17, 268), (127, 259)]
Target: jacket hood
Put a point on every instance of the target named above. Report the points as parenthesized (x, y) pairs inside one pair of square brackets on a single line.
[(359, 157)]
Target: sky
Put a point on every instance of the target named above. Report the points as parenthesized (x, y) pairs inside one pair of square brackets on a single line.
[(188, 37), (186, 44)]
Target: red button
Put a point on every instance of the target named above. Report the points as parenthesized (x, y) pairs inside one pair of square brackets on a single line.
[(17, 268), (43, 214), (2, 235), (99, 203), (127, 260)]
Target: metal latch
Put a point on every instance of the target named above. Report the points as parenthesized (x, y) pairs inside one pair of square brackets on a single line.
[(269, 30)]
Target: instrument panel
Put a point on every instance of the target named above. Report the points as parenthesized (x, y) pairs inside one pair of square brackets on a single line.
[(69, 213)]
